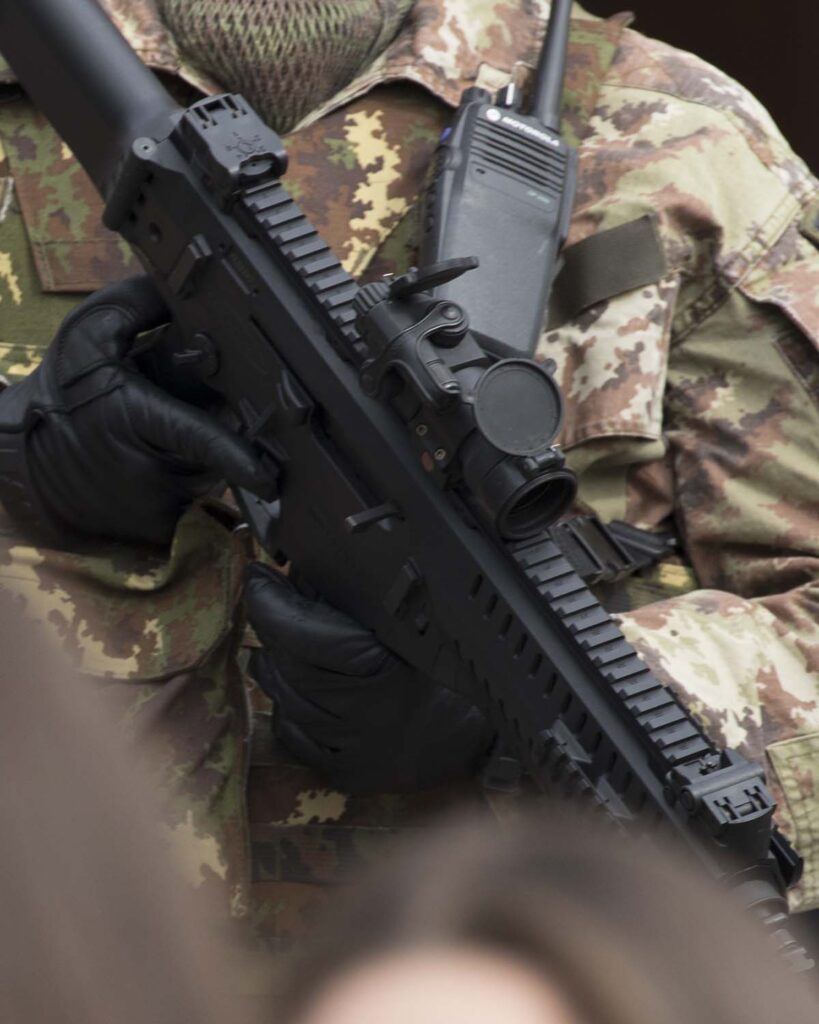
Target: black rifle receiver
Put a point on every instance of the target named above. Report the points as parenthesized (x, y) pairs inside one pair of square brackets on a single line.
[(502, 187), (415, 474)]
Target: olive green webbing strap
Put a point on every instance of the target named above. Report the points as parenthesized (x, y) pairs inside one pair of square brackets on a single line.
[(606, 264)]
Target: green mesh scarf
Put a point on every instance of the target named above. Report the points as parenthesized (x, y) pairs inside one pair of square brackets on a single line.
[(285, 56)]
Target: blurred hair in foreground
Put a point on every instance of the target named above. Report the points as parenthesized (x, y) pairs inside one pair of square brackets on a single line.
[(547, 920), (95, 926)]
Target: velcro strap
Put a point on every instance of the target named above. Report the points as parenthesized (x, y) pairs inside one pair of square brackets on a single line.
[(604, 265)]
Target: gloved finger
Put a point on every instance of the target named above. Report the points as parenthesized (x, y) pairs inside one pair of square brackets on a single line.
[(311, 631), (322, 718), (103, 327), (296, 705), (325, 732), (340, 693), (306, 750), (336, 725), (341, 769), (182, 431), (456, 735)]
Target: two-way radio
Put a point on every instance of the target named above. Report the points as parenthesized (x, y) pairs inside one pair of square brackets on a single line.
[(502, 190)]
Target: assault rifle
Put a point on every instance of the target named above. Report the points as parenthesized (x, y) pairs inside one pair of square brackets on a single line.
[(416, 473)]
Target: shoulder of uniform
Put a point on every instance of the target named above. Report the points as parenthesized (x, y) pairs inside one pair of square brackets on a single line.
[(674, 136), (715, 102)]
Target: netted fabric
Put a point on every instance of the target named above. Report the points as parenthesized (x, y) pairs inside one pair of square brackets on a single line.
[(285, 56)]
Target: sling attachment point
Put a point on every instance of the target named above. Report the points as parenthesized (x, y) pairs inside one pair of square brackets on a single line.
[(608, 553)]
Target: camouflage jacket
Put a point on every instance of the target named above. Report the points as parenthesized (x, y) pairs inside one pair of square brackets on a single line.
[(692, 402)]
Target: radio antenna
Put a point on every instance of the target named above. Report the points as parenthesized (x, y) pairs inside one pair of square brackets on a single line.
[(547, 102)]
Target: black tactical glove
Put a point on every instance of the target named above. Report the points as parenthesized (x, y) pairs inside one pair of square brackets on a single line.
[(349, 708), (88, 446)]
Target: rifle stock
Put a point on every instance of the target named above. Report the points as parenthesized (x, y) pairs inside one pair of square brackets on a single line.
[(414, 545)]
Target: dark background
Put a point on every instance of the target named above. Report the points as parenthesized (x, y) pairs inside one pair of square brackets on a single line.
[(771, 46)]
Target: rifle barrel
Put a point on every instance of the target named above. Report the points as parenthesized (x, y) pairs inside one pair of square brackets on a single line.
[(78, 69)]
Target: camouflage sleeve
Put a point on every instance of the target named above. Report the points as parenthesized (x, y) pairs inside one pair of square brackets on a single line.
[(742, 425), (28, 317), (157, 631)]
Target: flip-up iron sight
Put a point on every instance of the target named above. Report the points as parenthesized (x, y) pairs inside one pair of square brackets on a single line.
[(482, 426)]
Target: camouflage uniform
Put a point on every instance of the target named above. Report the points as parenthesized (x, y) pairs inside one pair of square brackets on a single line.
[(693, 402)]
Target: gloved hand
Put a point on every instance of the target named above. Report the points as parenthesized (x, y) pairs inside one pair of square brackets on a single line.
[(88, 446), (346, 706)]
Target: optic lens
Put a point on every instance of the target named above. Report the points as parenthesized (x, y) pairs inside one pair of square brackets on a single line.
[(537, 505)]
